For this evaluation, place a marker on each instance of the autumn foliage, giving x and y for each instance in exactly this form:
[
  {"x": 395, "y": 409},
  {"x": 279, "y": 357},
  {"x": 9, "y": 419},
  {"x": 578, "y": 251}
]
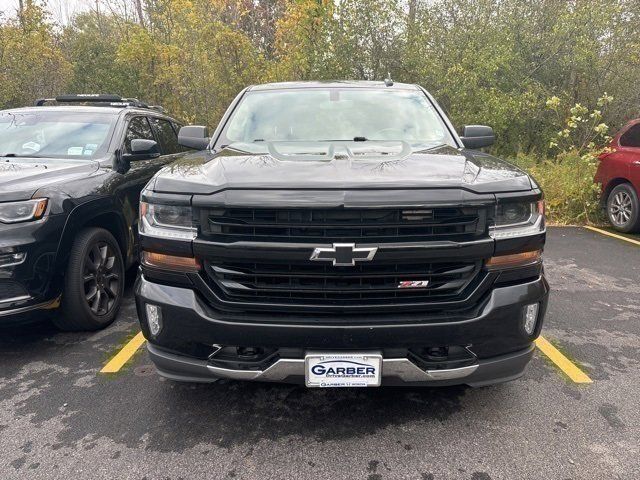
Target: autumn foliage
[{"x": 528, "y": 68}]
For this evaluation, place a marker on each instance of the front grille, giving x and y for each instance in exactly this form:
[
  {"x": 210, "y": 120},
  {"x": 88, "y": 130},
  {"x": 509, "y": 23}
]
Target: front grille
[
  {"x": 10, "y": 289},
  {"x": 309, "y": 284},
  {"x": 343, "y": 224}
]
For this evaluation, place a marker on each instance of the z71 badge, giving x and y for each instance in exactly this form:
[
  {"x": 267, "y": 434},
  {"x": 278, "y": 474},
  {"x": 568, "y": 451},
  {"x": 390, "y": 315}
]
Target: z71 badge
[{"x": 413, "y": 284}]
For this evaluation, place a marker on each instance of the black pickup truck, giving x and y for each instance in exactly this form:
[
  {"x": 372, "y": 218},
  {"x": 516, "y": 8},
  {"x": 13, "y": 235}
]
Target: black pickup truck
[
  {"x": 341, "y": 234},
  {"x": 71, "y": 172}
]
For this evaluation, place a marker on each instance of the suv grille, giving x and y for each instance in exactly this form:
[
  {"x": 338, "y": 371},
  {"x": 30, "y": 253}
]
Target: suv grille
[
  {"x": 306, "y": 284},
  {"x": 343, "y": 224}
]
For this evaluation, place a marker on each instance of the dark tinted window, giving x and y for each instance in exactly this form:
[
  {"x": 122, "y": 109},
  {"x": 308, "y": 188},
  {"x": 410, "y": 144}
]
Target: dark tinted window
[
  {"x": 631, "y": 138},
  {"x": 138, "y": 128},
  {"x": 167, "y": 136}
]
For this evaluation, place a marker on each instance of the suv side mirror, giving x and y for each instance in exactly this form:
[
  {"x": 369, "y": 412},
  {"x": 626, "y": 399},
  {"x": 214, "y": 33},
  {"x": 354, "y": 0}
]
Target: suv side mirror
[
  {"x": 142, "y": 149},
  {"x": 477, "y": 136},
  {"x": 194, "y": 136}
]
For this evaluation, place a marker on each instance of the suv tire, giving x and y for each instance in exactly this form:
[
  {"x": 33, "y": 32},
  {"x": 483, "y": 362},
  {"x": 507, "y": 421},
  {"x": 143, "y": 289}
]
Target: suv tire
[
  {"x": 623, "y": 209},
  {"x": 93, "y": 282}
]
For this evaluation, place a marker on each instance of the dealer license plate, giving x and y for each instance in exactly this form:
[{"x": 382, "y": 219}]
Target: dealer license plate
[{"x": 343, "y": 369}]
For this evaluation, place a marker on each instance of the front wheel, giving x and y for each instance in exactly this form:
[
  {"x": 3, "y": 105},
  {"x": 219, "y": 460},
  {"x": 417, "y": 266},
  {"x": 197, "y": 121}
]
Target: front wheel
[
  {"x": 93, "y": 283},
  {"x": 623, "y": 209}
]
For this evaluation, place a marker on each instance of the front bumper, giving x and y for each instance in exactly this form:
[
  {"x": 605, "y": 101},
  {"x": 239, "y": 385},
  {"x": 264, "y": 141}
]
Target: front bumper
[
  {"x": 395, "y": 371},
  {"x": 191, "y": 328},
  {"x": 30, "y": 284}
]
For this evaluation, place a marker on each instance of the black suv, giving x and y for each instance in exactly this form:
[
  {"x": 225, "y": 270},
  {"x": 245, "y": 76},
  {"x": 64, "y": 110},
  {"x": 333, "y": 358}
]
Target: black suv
[
  {"x": 71, "y": 172},
  {"x": 341, "y": 234}
]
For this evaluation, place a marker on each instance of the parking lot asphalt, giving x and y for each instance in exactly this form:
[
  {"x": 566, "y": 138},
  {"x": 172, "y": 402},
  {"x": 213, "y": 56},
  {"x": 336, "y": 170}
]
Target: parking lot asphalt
[{"x": 61, "y": 418}]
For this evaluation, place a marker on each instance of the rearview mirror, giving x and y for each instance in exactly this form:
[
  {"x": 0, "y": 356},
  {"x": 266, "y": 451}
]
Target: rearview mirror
[
  {"x": 477, "y": 136},
  {"x": 194, "y": 136},
  {"x": 142, "y": 149}
]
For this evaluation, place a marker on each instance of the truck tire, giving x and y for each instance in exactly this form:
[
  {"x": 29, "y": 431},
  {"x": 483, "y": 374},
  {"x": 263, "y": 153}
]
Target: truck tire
[
  {"x": 93, "y": 282},
  {"x": 623, "y": 209}
]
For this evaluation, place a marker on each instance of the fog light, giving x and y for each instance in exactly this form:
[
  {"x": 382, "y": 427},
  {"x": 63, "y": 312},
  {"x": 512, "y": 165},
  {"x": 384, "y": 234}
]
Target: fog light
[
  {"x": 12, "y": 259},
  {"x": 154, "y": 319},
  {"x": 530, "y": 318}
]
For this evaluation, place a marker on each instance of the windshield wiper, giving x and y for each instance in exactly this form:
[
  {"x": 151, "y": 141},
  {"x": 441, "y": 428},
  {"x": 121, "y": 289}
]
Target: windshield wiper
[
  {"x": 8, "y": 155},
  {"x": 354, "y": 139}
]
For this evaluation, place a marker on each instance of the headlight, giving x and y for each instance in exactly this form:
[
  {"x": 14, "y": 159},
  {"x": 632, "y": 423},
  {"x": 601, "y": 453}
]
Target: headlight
[
  {"x": 14, "y": 212},
  {"x": 517, "y": 219},
  {"x": 166, "y": 221}
]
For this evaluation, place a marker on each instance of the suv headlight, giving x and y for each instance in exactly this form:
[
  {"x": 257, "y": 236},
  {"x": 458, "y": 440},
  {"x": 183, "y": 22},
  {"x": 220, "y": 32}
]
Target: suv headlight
[
  {"x": 518, "y": 219},
  {"x": 166, "y": 221},
  {"x": 25, "y": 211}
]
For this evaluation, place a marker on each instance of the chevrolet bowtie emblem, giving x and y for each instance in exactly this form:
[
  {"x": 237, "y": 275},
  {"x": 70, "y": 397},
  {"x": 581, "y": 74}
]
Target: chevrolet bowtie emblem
[{"x": 344, "y": 254}]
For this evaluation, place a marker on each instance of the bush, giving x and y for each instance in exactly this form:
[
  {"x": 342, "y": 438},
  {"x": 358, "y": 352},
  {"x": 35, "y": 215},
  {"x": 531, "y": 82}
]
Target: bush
[
  {"x": 567, "y": 181},
  {"x": 571, "y": 195}
]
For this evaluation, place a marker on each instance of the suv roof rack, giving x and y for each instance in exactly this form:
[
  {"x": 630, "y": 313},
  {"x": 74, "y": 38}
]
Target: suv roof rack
[{"x": 99, "y": 99}]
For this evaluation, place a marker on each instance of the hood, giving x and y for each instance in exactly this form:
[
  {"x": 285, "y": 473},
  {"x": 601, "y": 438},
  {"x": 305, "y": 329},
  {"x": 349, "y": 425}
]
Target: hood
[
  {"x": 236, "y": 167},
  {"x": 21, "y": 177}
]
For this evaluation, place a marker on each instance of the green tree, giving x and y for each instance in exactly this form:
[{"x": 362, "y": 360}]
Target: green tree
[
  {"x": 90, "y": 44},
  {"x": 303, "y": 47},
  {"x": 31, "y": 62},
  {"x": 190, "y": 61}
]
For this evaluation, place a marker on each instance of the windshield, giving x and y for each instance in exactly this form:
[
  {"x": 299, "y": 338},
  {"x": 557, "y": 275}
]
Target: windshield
[
  {"x": 55, "y": 134},
  {"x": 334, "y": 114}
]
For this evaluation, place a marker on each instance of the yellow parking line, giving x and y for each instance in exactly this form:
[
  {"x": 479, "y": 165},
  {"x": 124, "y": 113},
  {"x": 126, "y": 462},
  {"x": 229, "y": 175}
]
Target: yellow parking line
[
  {"x": 563, "y": 363},
  {"x": 123, "y": 356},
  {"x": 609, "y": 234}
]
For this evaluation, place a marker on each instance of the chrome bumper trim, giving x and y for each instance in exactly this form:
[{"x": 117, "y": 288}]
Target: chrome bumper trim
[
  {"x": 279, "y": 371},
  {"x": 14, "y": 299},
  {"x": 408, "y": 371},
  {"x": 40, "y": 306},
  {"x": 402, "y": 368}
]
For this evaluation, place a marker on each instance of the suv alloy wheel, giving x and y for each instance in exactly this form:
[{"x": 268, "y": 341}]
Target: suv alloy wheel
[{"x": 94, "y": 282}]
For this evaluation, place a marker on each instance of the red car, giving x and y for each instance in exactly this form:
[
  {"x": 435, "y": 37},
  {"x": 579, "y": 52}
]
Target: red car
[{"x": 619, "y": 175}]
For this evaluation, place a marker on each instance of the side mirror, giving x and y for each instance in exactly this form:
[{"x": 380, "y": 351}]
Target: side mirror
[
  {"x": 477, "y": 136},
  {"x": 194, "y": 136},
  {"x": 142, "y": 149}
]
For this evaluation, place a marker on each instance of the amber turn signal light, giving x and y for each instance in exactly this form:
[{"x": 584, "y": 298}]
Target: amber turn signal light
[
  {"x": 514, "y": 260},
  {"x": 170, "y": 262},
  {"x": 40, "y": 208}
]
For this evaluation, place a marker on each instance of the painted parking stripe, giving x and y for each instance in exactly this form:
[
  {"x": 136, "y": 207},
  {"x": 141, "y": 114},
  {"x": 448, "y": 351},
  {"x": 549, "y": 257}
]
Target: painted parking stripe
[
  {"x": 610, "y": 234},
  {"x": 123, "y": 356},
  {"x": 562, "y": 362}
]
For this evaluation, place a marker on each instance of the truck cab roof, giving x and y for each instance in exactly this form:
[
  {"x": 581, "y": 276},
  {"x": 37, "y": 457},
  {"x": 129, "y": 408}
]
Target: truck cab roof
[{"x": 334, "y": 84}]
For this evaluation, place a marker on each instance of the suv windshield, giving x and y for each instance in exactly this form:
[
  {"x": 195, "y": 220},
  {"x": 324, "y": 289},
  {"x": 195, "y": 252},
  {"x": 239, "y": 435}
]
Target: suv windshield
[
  {"x": 55, "y": 134},
  {"x": 333, "y": 114}
]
